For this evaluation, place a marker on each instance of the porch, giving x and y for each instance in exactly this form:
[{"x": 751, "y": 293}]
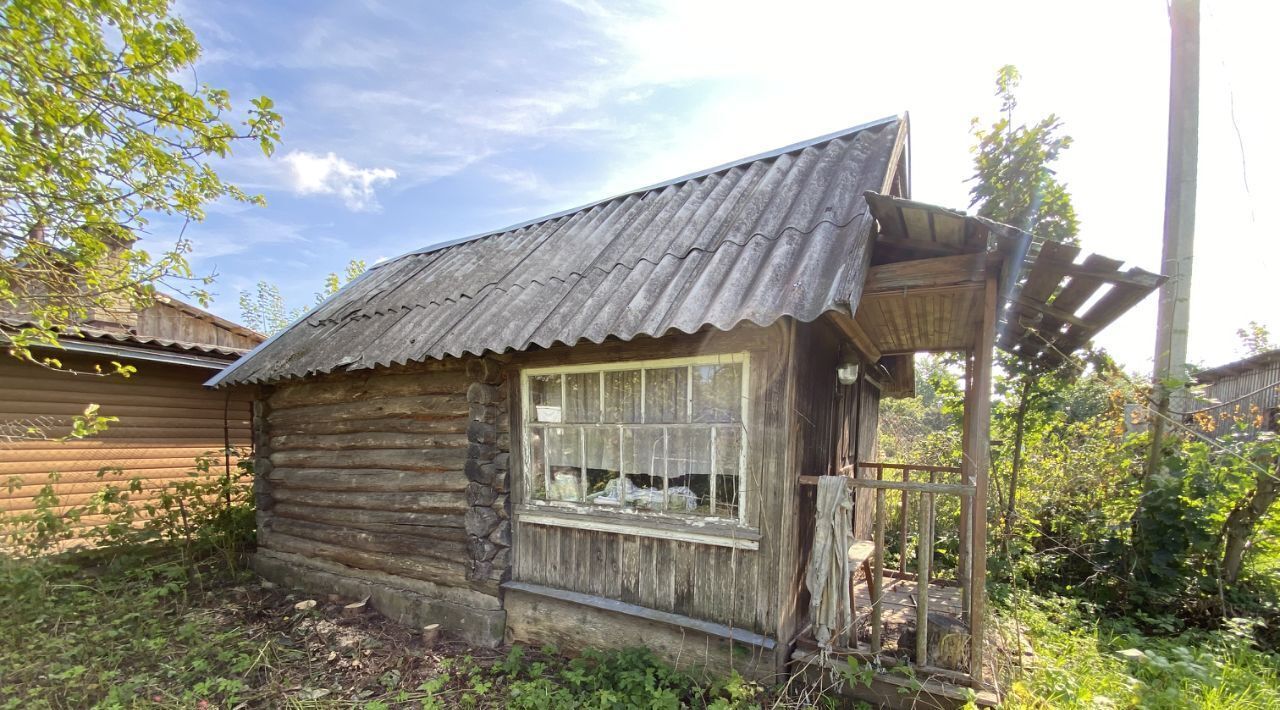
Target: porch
[
  {"x": 914, "y": 576},
  {"x": 912, "y": 608}
]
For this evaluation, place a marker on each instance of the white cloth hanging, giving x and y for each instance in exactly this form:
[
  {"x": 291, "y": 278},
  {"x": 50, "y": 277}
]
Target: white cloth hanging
[{"x": 828, "y": 575}]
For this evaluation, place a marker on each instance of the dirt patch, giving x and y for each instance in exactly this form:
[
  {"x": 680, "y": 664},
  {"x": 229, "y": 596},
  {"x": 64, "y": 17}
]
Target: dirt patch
[{"x": 317, "y": 653}]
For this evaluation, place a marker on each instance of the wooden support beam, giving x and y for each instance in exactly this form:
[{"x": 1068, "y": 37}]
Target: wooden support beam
[
  {"x": 856, "y": 335},
  {"x": 876, "y": 588},
  {"x": 924, "y": 562},
  {"x": 955, "y": 489},
  {"x": 1133, "y": 277},
  {"x": 964, "y": 574},
  {"x": 921, "y": 245},
  {"x": 927, "y": 468},
  {"x": 1048, "y": 310},
  {"x": 978, "y": 461},
  {"x": 927, "y": 273}
]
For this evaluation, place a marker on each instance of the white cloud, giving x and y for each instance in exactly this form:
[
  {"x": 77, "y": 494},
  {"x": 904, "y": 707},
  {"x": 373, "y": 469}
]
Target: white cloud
[{"x": 312, "y": 174}]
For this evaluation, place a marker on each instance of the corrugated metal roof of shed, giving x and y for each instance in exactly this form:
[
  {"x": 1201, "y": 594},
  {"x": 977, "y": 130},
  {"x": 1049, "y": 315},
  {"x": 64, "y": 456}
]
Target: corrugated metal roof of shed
[{"x": 786, "y": 233}]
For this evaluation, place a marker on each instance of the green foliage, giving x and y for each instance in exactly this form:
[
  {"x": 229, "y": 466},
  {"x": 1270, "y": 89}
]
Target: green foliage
[
  {"x": 1185, "y": 511},
  {"x": 1255, "y": 338},
  {"x": 104, "y": 127},
  {"x": 208, "y": 512},
  {"x": 116, "y": 635},
  {"x": 1014, "y": 183},
  {"x": 265, "y": 311},
  {"x": 631, "y": 678},
  {"x": 111, "y": 624},
  {"x": 1084, "y": 661}
]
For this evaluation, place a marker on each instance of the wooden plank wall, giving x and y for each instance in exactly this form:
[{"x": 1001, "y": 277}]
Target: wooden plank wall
[
  {"x": 697, "y": 580},
  {"x": 824, "y": 421},
  {"x": 867, "y": 440},
  {"x": 1251, "y": 396},
  {"x": 167, "y": 419},
  {"x": 735, "y": 587},
  {"x": 171, "y": 322}
]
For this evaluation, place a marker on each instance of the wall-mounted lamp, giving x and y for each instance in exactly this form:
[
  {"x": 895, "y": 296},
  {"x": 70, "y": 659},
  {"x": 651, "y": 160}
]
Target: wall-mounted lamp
[{"x": 847, "y": 373}]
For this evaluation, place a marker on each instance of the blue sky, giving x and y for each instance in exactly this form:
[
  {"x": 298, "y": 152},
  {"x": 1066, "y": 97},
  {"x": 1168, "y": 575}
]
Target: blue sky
[{"x": 411, "y": 123}]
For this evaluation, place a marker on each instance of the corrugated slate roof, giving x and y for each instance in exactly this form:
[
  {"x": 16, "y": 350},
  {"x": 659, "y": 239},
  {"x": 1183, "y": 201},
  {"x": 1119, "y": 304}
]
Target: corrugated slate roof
[{"x": 785, "y": 233}]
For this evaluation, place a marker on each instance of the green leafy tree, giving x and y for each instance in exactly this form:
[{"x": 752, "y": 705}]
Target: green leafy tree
[
  {"x": 104, "y": 127},
  {"x": 1014, "y": 183},
  {"x": 1255, "y": 339},
  {"x": 264, "y": 309}
]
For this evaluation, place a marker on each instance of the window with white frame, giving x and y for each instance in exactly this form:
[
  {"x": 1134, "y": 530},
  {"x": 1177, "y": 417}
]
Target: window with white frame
[{"x": 665, "y": 436}]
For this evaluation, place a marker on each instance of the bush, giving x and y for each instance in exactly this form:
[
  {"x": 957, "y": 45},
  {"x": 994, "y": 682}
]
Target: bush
[{"x": 1084, "y": 660}]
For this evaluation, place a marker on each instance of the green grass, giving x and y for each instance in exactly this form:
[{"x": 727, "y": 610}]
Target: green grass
[
  {"x": 147, "y": 632},
  {"x": 73, "y": 638},
  {"x": 1085, "y": 662}
]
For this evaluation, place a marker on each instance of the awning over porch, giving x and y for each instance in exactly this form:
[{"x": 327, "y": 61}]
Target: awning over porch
[{"x": 924, "y": 291}]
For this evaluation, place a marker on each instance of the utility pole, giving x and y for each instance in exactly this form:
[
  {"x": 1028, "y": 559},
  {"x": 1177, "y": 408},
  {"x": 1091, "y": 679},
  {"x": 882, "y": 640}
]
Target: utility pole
[{"x": 1179, "y": 220}]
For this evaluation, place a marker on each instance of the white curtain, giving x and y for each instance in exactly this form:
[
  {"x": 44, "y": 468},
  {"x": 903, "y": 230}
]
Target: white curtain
[{"x": 828, "y": 575}]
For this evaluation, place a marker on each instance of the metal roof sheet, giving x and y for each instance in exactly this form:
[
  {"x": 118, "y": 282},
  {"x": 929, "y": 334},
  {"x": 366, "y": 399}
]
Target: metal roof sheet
[
  {"x": 1257, "y": 361},
  {"x": 786, "y": 233},
  {"x": 135, "y": 342}
]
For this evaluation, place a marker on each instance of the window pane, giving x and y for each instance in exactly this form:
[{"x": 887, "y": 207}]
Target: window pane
[
  {"x": 535, "y": 477},
  {"x": 642, "y": 454},
  {"x": 728, "y": 463},
  {"x": 622, "y": 397},
  {"x": 666, "y": 395},
  {"x": 717, "y": 393},
  {"x": 689, "y": 452},
  {"x": 582, "y": 397},
  {"x": 602, "y": 448},
  {"x": 544, "y": 398},
  {"x": 564, "y": 452},
  {"x": 640, "y": 438},
  {"x": 602, "y": 466}
]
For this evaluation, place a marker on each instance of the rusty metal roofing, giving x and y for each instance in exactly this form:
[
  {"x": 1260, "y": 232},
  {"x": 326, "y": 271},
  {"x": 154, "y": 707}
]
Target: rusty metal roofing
[{"x": 786, "y": 233}]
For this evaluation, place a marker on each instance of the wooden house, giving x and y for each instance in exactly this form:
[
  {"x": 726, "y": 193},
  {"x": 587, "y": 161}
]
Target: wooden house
[
  {"x": 607, "y": 427},
  {"x": 166, "y": 416},
  {"x": 1241, "y": 398}
]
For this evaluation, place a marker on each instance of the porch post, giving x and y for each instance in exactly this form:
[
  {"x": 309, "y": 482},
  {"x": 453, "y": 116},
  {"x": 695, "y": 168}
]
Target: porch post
[
  {"x": 977, "y": 462},
  {"x": 966, "y": 502}
]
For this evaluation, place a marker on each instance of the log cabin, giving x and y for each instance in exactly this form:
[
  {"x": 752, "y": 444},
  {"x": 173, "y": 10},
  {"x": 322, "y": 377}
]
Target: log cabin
[
  {"x": 166, "y": 417},
  {"x": 619, "y": 425}
]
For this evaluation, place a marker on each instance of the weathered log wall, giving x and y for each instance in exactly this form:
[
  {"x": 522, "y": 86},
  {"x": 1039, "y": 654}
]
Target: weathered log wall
[
  {"x": 409, "y": 480},
  {"x": 166, "y": 420},
  {"x": 387, "y": 483}
]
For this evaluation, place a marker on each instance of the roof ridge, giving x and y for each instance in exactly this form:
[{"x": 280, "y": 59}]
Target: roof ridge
[{"x": 767, "y": 155}]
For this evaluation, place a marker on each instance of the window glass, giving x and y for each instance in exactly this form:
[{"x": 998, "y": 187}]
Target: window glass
[
  {"x": 666, "y": 395},
  {"x": 582, "y": 397},
  {"x": 664, "y": 437},
  {"x": 622, "y": 396},
  {"x": 544, "y": 398},
  {"x": 717, "y": 393}
]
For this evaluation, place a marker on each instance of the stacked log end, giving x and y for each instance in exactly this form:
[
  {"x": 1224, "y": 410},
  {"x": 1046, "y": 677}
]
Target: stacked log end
[
  {"x": 384, "y": 484},
  {"x": 488, "y": 522}
]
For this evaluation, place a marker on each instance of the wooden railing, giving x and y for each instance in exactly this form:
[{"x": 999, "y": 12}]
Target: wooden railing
[{"x": 928, "y": 489}]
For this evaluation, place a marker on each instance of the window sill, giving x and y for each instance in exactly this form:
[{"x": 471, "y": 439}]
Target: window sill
[{"x": 723, "y": 534}]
